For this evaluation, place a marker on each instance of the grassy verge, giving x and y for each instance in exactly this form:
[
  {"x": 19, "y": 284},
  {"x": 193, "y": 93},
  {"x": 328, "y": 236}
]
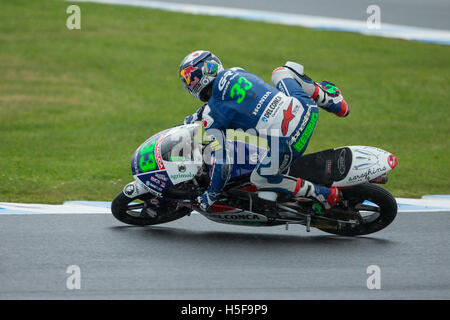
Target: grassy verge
[{"x": 75, "y": 104}]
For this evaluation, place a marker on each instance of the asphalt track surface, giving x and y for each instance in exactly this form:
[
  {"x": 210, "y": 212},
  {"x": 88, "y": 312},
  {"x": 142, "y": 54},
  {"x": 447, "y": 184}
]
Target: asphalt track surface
[
  {"x": 418, "y": 13},
  {"x": 194, "y": 258}
]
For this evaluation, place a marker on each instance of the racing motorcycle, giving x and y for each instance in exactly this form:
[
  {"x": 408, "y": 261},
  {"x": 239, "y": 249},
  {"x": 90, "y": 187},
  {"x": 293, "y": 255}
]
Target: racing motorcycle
[{"x": 170, "y": 171}]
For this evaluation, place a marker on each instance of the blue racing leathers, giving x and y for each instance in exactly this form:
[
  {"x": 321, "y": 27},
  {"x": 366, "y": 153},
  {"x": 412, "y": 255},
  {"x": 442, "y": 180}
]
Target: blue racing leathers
[{"x": 285, "y": 115}]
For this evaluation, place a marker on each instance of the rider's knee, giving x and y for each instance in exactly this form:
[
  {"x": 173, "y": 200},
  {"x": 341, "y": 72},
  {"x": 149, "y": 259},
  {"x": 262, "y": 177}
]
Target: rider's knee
[{"x": 281, "y": 73}]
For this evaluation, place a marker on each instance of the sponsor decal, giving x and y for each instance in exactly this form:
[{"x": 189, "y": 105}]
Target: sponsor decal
[
  {"x": 205, "y": 81},
  {"x": 228, "y": 84},
  {"x": 237, "y": 216},
  {"x": 181, "y": 168},
  {"x": 303, "y": 140},
  {"x": 215, "y": 145},
  {"x": 188, "y": 175},
  {"x": 194, "y": 85},
  {"x": 328, "y": 167},
  {"x": 130, "y": 189},
  {"x": 160, "y": 176},
  {"x": 296, "y": 108},
  {"x": 366, "y": 175},
  {"x": 210, "y": 68},
  {"x": 341, "y": 161},
  {"x": 151, "y": 181},
  {"x": 287, "y": 117},
  {"x": 392, "y": 161},
  {"x": 152, "y": 191},
  {"x": 264, "y": 119},
  {"x": 272, "y": 106},
  {"x": 160, "y": 182},
  {"x": 285, "y": 162},
  {"x": 157, "y": 188},
  {"x": 158, "y": 156},
  {"x": 186, "y": 74},
  {"x": 155, "y": 180},
  {"x": 302, "y": 126},
  {"x": 261, "y": 102},
  {"x": 153, "y": 186},
  {"x": 224, "y": 79}
]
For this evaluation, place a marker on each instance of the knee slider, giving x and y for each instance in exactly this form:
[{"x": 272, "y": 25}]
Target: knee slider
[
  {"x": 297, "y": 67},
  {"x": 281, "y": 73}
]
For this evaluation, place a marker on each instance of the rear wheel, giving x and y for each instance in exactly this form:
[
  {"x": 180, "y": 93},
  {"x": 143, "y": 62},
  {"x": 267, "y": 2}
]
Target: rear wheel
[
  {"x": 373, "y": 216},
  {"x": 131, "y": 211}
]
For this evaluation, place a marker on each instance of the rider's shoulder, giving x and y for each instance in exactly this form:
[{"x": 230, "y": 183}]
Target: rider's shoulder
[
  {"x": 228, "y": 72},
  {"x": 224, "y": 77}
]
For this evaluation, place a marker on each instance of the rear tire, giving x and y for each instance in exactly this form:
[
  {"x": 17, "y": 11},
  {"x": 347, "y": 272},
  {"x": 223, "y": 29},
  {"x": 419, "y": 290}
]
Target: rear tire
[
  {"x": 119, "y": 208},
  {"x": 377, "y": 195}
]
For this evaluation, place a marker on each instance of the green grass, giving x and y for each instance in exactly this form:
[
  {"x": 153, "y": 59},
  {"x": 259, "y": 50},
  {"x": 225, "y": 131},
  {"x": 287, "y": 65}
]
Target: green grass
[{"x": 75, "y": 104}]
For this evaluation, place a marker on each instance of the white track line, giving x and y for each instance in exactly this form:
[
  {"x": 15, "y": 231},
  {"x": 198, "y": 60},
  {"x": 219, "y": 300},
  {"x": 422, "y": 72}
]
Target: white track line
[
  {"x": 405, "y": 205},
  {"x": 387, "y": 30},
  {"x": 68, "y": 207}
]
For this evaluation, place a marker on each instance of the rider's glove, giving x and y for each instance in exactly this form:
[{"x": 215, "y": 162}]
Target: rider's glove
[
  {"x": 333, "y": 101},
  {"x": 206, "y": 200},
  {"x": 197, "y": 116},
  {"x": 190, "y": 119}
]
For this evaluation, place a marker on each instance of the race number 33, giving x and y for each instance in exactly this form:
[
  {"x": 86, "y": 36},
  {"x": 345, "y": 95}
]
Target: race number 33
[
  {"x": 240, "y": 88},
  {"x": 147, "y": 161}
]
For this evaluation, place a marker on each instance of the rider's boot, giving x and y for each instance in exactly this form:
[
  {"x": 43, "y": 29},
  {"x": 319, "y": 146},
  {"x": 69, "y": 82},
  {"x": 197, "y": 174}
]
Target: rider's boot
[
  {"x": 295, "y": 187},
  {"x": 327, "y": 197},
  {"x": 326, "y": 94},
  {"x": 268, "y": 189}
]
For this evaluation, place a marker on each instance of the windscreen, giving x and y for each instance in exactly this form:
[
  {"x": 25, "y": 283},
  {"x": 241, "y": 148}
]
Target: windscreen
[{"x": 180, "y": 145}]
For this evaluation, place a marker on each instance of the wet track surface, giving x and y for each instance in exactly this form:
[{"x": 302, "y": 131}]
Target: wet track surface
[{"x": 194, "y": 258}]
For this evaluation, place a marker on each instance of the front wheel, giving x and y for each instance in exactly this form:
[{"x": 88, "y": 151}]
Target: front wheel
[
  {"x": 373, "y": 216},
  {"x": 127, "y": 211}
]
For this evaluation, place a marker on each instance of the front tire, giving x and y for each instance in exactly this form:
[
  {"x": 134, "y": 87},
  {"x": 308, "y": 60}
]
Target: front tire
[{"x": 121, "y": 211}]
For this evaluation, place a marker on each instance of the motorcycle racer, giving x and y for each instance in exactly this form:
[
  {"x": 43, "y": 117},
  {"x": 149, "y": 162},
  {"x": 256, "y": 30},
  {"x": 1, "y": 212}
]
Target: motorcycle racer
[{"x": 285, "y": 113}]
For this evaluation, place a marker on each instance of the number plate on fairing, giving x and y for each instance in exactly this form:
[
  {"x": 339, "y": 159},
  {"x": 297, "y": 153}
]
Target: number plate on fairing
[{"x": 148, "y": 167}]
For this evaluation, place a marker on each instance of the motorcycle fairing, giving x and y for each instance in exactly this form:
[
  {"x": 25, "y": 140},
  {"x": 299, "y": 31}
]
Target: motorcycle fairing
[
  {"x": 345, "y": 166},
  {"x": 174, "y": 165},
  {"x": 157, "y": 168},
  {"x": 367, "y": 164}
]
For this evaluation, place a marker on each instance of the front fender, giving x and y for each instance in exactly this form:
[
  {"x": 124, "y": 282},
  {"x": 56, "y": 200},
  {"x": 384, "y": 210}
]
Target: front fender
[{"x": 134, "y": 189}]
